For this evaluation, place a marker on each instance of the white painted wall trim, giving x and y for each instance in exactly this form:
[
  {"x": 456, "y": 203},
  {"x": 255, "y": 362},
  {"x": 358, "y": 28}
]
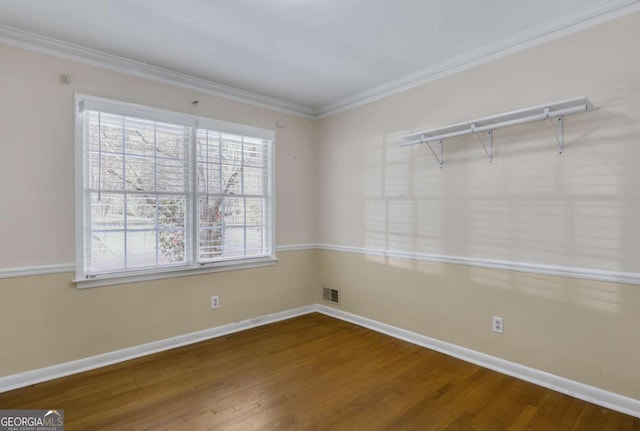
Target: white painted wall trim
[
  {"x": 569, "y": 387},
  {"x": 73, "y": 367},
  {"x": 296, "y": 247},
  {"x": 562, "y": 26},
  {"x": 26, "y": 271},
  {"x": 115, "y": 279},
  {"x": 533, "y": 268},
  {"x": 34, "y": 42},
  {"x": 560, "y": 384}
]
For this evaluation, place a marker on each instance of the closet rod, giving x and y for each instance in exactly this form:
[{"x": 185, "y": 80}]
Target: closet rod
[{"x": 472, "y": 128}]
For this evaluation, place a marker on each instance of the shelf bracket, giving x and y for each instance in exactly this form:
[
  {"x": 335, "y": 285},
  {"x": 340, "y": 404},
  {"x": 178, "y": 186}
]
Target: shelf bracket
[
  {"x": 488, "y": 149},
  {"x": 440, "y": 159},
  {"x": 557, "y": 126}
]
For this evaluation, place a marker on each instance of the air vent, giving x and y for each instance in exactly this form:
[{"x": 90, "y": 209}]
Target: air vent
[{"x": 330, "y": 295}]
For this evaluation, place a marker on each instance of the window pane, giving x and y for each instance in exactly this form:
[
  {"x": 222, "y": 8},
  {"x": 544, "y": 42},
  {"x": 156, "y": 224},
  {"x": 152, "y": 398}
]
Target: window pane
[
  {"x": 172, "y": 212},
  {"x": 106, "y": 211},
  {"x": 210, "y": 243},
  {"x": 255, "y": 212},
  {"x": 208, "y": 178},
  {"x": 233, "y": 242},
  {"x": 233, "y": 211},
  {"x": 141, "y": 212},
  {"x": 142, "y": 160},
  {"x": 209, "y": 149},
  {"x": 171, "y": 140},
  {"x": 106, "y": 171},
  {"x": 253, "y": 152},
  {"x": 171, "y": 176},
  {"x": 231, "y": 149},
  {"x": 255, "y": 241},
  {"x": 254, "y": 181},
  {"x": 141, "y": 249},
  {"x": 139, "y": 137},
  {"x": 105, "y": 132},
  {"x": 231, "y": 179},
  {"x": 210, "y": 211},
  {"x": 172, "y": 246},
  {"x": 139, "y": 173},
  {"x": 106, "y": 251}
]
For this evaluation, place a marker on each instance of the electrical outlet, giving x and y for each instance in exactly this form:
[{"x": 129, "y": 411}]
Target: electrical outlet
[
  {"x": 498, "y": 325},
  {"x": 215, "y": 302}
]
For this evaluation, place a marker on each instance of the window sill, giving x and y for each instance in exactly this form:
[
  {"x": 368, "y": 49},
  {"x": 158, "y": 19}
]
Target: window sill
[{"x": 136, "y": 277}]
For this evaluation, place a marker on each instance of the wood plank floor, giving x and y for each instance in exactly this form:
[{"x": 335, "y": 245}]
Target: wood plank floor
[{"x": 310, "y": 373}]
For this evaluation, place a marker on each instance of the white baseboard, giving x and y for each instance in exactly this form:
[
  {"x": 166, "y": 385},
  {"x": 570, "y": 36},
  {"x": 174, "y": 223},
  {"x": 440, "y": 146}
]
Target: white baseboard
[
  {"x": 28, "y": 378},
  {"x": 575, "y": 389}
]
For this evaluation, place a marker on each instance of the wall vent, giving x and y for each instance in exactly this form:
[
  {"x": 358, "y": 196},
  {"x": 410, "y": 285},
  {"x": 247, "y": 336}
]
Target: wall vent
[{"x": 330, "y": 295}]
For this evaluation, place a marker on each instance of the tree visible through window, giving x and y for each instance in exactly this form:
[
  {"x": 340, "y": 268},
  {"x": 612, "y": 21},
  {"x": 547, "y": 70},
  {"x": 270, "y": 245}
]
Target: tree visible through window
[{"x": 159, "y": 194}]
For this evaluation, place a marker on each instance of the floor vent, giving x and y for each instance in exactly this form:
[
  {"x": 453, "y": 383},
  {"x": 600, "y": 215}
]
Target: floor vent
[{"x": 330, "y": 295}]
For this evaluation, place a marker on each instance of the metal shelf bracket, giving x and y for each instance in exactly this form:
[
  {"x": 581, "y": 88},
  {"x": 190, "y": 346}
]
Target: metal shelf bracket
[
  {"x": 558, "y": 129},
  {"x": 488, "y": 149},
  {"x": 440, "y": 159}
]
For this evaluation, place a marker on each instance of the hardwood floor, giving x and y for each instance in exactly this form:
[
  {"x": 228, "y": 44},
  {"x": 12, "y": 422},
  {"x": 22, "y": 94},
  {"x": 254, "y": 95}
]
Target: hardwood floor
[{"x": 310, "y": 373}]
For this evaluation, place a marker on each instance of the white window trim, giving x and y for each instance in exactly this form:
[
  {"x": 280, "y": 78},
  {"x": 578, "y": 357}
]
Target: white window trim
[
  {"x": 82, "y": 102},
  {"x": 172, "y": 272}
]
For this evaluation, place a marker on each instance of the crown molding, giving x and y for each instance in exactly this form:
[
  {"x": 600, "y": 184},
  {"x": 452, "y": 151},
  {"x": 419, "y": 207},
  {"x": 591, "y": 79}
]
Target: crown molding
[
  {"x": 34, "y": 42},
  {"x": 560, "y": 27}
]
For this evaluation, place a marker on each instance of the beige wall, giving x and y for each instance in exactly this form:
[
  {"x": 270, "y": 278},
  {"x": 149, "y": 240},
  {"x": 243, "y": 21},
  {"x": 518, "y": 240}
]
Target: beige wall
[
  {"x": 44, "y": 320},
  {"x": 580, "y": 209},
  {"x": 582, "y": 330}
]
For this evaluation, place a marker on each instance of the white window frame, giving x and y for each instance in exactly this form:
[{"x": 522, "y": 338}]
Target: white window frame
[{"x": 192, "y": 266}]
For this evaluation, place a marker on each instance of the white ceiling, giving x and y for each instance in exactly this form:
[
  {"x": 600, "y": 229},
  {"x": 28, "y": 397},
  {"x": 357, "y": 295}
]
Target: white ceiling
[{"x": 316, "y": 55}]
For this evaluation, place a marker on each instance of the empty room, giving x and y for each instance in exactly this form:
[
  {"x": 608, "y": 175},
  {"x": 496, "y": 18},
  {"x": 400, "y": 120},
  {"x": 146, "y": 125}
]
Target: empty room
[{"x": 319, "y": 215}]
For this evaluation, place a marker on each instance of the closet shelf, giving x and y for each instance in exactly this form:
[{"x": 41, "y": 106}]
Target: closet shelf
[{"x": 553, "y": 113}]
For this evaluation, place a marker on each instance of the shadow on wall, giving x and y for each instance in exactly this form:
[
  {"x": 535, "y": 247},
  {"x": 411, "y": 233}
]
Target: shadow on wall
[{"x": 529, "y": 205}]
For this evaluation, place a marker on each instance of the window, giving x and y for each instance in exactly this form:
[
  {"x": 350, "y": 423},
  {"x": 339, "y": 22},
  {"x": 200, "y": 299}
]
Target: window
[{"x": 164, "y": 192}]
